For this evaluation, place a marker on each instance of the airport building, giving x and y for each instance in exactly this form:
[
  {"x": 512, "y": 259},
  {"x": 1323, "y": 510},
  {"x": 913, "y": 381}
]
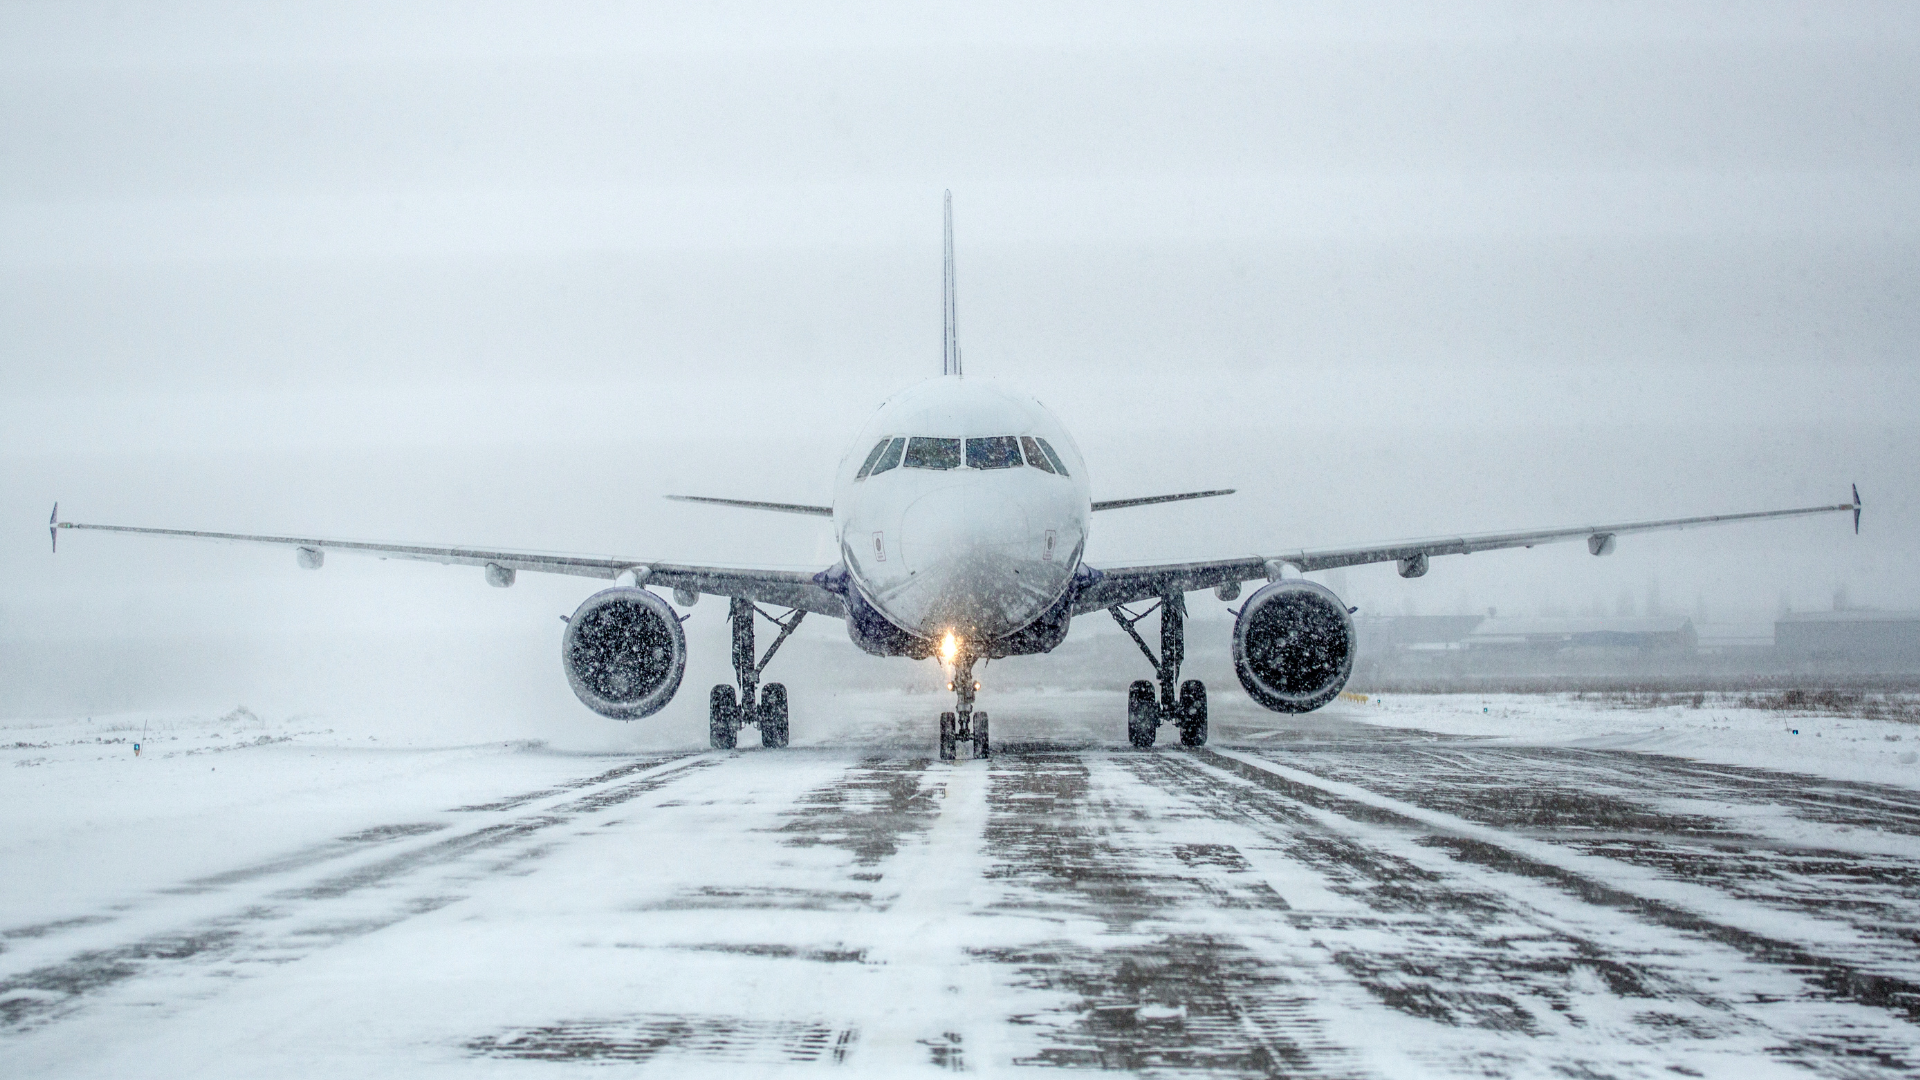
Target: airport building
[
  {"x": 1663, "y": 634},
  {"x": 1438, "y": 651},
  {"x": 1387, "y": 634},
  {"x": 1872, "y": 637}
]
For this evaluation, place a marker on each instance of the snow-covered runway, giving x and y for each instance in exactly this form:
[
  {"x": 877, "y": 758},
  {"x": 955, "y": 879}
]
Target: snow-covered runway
[{"x": 1335, "y": 899}]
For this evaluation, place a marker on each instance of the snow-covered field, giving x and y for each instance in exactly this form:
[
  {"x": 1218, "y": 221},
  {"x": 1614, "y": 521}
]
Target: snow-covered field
[
  {"x": 1718, "y": 729},
  {"x": 1432, "y": 886}
]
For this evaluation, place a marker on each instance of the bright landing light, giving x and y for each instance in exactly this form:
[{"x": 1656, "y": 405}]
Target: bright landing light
[{"x": 949, "y": 647}]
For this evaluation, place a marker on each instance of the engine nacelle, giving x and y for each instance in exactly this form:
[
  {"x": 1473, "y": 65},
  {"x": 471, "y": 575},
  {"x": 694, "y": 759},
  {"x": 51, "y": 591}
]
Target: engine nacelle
[
  {"x": 1293, "y": 646},
  {"x": 624, "y": 653}
]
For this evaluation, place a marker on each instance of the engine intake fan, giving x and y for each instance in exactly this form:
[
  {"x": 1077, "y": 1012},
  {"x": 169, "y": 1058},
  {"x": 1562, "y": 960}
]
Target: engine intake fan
[
  {"x": 1293, "y": 646},
  {"x": 624, "y": 653}
]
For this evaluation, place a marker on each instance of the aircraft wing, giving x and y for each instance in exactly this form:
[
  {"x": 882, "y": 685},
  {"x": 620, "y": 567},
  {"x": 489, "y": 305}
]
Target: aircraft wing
[
  {"x": 751, "y": 504},
  {"x": 1128, "y": 584},
  {"x": 1150, "y": 500},
  {"x": 785, "y": 588}
]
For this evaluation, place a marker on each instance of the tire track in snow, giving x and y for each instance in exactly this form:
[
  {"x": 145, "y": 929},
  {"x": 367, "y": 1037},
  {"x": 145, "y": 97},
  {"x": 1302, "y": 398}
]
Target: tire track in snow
[
  {"x": 1781, "y": 937},
  {"x": 511, "y": 802},
  {"x": 1838, "y": 1012},
  {"x": 1166, "y": 913},
  {"x": 1428, "y": 971},
  {"x": 857, "y": 907},
  {"x": 353, "y": 844},
  {"x": 263, "y": 929},
  {"x": 1706, "y": 829},
  {"x": 1135, "y": 971}
]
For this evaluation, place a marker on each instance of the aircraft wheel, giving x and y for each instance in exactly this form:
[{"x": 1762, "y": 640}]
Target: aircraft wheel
[
  {"x": 980, "y": 736},
  {"x": 1193, "y": 713},
  {"x": 723, "y": 718},
  {"x": 1143, "y": 714},
  {"x": 773, "y": 715},
  {"x": 949, "y": 736}
]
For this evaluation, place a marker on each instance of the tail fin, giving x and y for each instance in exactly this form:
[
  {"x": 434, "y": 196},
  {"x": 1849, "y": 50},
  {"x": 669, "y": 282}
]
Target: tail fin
[{"x": 950, "y": 358}]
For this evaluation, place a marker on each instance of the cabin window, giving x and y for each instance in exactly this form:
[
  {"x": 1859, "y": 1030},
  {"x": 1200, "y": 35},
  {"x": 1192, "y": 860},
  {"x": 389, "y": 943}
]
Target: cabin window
[
  {"x": 873, "y": 456},
  {"x": 1052, "y": 458},
  {"x": 997, "y": 452},
  {"x": 889, "y": 456},
  {"x": 926, "y": 453},
  {"x": 1034, "y": 457}
]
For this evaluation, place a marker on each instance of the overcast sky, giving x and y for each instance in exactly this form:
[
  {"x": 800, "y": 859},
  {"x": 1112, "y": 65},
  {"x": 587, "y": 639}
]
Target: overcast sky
[{"x": 504, "y": 274}]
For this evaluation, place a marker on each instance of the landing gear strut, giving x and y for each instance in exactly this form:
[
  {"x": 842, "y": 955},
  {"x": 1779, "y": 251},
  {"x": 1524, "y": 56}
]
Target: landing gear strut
[
  {"x": 1148, "y": 709},
  {"x": 963, "y": 722},
  {"x": 729, "y": 710}
]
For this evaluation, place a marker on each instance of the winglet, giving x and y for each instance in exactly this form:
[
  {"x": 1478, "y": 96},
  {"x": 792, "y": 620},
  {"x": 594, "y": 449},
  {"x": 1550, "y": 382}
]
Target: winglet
[
  {"x": 53, "y": 528},
  {"x": 1856, "y": 509}
]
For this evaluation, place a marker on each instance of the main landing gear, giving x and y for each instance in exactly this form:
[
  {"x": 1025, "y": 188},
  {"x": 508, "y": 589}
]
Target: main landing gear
[
  {"x": 728, "y": 710},
  {"x": 1146, "y": 710},
  {"x": 963, "y": 722}
]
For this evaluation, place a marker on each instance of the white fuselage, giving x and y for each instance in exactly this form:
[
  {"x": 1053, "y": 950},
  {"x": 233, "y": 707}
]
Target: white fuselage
[{"x": 959, "y": 533}]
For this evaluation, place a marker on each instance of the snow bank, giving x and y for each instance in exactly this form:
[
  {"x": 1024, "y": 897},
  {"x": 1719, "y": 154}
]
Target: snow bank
[{"x": 1720, "y": 729}]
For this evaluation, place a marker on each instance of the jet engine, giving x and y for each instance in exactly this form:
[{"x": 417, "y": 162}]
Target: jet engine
[
  {"x": 1293, "y": 646},
  {"x": 624, "y": 653}
]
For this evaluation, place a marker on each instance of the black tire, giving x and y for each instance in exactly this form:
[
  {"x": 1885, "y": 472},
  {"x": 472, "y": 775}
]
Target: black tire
[
  {"x": 980, "y": 749},
  {"x": 949, "y": 736},
  {"x": 1143, "y": 714},
  {"x": 1193, "y": 713},
  {"x": 723, "y": 718},
  {"x": 773, "y": 715}
]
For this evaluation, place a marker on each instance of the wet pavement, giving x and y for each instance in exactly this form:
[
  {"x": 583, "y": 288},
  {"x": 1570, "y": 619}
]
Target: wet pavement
[{"x": 1336, "y": 902}]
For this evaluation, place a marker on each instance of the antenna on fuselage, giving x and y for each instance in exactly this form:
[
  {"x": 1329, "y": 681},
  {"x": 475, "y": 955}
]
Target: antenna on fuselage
[{"x": 950, "y": 358}]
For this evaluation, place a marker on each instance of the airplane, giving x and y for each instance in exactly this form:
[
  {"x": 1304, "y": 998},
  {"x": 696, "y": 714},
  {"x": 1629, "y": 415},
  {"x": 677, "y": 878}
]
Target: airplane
[{"x": 961, "y": 514}]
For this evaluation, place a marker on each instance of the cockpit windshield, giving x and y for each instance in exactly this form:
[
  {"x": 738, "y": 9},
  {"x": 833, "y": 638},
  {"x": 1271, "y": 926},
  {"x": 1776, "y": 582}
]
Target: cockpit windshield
[
  {"x": 890, "y": 451},
  {"x": 926, "y": 453},
  {"x": 986, "y": 452},
  {"x": 997, "y": 452},
  {"x": 867, "y": 466},
  {"x": 1034, "y": 457},
  {"x": 1052, "y": 458}
]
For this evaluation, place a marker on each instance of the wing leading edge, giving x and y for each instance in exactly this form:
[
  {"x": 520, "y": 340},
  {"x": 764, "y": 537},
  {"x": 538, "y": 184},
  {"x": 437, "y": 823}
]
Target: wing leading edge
[
  {"x": 1127, "y": 584},
  {"x": 751, "y": 504},
  {"x": 1149, "y": 500},
  {"x": 785, "y": 588}
]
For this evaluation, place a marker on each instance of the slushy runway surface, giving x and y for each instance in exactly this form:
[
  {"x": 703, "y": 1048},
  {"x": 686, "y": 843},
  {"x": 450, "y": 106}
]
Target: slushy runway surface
[{"x": 1331, "y": 900}]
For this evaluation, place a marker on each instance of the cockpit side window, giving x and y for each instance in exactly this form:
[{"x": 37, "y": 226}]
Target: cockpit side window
[
  {"x": 1035, "y": 457},
  {"x": 889, "y": 456},
  {"x": 873, "y": 456},
  {"x": 928, "y": 453},
  {"x": 995, "y": 452},
  {"x": 1052, "y": 458}
]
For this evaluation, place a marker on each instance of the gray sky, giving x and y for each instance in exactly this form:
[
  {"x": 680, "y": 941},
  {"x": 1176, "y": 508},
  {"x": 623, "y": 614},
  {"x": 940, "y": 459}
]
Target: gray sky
[{"x": 498, "y": 274}]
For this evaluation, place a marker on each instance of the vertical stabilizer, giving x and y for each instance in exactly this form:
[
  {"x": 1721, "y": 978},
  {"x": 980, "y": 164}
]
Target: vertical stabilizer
[{"x": 950, "y": 358}]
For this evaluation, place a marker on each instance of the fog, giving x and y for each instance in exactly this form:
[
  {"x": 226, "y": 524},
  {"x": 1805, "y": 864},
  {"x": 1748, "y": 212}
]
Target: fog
[{"x": 505, "y": 276}]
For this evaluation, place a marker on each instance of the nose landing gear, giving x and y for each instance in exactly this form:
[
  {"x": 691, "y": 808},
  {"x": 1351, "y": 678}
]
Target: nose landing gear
[
  {"x": 1146, "y": 710},
  {"x": 729, "y": 710},
  {"x": 963, "y": 722}
]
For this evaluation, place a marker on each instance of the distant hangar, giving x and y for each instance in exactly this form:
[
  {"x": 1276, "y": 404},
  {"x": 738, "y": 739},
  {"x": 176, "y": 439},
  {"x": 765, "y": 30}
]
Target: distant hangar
[
  {"x": 1651, "y": 634},
  {"x": 1849, "y": 635},
  {"x": 1888, "y": 640}
]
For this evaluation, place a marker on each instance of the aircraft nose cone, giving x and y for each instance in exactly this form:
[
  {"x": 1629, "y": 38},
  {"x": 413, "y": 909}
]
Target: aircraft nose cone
[
  {"x": 967, "y": 552},
  {"x": 958, "y": 523}
]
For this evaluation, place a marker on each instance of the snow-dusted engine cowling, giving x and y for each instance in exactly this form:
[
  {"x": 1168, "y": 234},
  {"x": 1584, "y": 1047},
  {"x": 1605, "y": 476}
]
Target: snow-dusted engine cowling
[
  {"x": 1293, "y": 646},
  {"x": 624, "y": 653}
]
